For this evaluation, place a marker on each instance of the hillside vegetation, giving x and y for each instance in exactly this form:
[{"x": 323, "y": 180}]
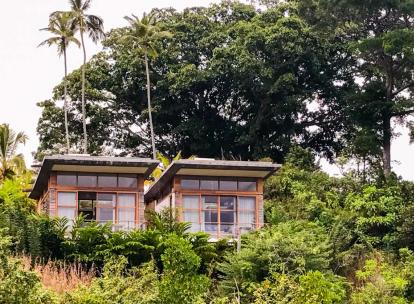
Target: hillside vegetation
[{"x": 327, "y": 240}]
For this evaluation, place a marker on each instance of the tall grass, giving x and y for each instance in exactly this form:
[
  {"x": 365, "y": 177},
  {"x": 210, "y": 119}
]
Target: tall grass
[{"x": 59, "y": 276}]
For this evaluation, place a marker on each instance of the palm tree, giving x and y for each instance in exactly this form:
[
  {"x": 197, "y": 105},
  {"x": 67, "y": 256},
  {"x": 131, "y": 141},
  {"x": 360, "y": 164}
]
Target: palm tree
[
  {"x": 10, "y": 162},
  {"x": 63, "y": 30},
  {"x": 143, "y": 33},
  {"x": 92, "y": 25}
]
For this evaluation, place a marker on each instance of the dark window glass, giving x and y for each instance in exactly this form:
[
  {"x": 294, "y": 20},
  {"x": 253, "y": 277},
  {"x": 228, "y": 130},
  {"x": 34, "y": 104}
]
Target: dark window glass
[
  {"x": 227, "y": 229},
  {"x": 87, "y": 180},
  {"x": 190, "y": 184},
  {"x": 227, "y": 202},
  {"x": 228, "y": 185},
  {"x": 66, "y": 179},
  {"x": 209, "y": 202},
  {"x": 107, "y": 181},
  {"x": 210, "y": 228},
  {"x": 210, "y": 216},
  {"x": 209, "y": 184},
  {"x": 86, "y": 195},
  {"x": 227, "y": 217},
  {"x": 85, "y": 205},
  {"x": 127, "y": 181},
  {"x": 247, "y": 186}
]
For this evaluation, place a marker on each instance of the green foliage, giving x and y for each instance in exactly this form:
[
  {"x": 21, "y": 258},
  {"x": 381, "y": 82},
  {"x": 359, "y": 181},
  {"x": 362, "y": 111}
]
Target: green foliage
[
  {"x": 312, "y": 287},
  {"x": 119, "y": 285},
  {"x": 11, "y": 163},
  {"x": 85, "y": 241},
  {"x": 376, "y": 214},
  {"x": 18, "y": 286},
  {"x": 180, "y": 281},
  {"x": 230, "y": 80},
  {"x": 379, "y": 282},
  {"x": 292, "y": 247}
]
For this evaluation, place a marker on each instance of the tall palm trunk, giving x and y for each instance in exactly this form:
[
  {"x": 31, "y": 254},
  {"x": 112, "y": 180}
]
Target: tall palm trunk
[
  {"x": 154, "y": 154},
  {"x": 65, "y": 104},
  {"x": 85, "y": 135}
]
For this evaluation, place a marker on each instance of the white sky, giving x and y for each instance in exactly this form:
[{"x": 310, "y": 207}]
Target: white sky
[{"x": 28, "y": 74}]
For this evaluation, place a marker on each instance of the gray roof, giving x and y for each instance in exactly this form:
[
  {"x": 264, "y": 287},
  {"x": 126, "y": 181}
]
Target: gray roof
[
  {"x": 155, "y": 190},
  {"x": 89, "y": 161}
]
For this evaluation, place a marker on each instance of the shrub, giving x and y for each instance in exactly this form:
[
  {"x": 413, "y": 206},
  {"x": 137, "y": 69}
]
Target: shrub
[
  {"x": 118, "y": 285},
  {"x": 18, "y": 286},
  {"x": 291, "y": 247},
  {"x": 312, "y": 287},
  {"x": 180, "y": 282}
]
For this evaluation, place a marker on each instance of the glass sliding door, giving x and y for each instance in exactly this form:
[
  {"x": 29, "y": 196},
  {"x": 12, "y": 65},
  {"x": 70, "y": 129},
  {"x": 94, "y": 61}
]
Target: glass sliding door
[
  {"x": 246, "y": 213},
  {"x": 126, "y": 211},
  {"x": 191, "y": 212},
  {"x": 105, "y": 208},
  {"x": 209, "y": 219},
  {"x": 227, "y": 215}
]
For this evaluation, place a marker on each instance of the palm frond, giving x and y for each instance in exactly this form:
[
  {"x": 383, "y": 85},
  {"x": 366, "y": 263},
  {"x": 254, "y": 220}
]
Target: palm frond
[{"x": 94, "y": 27}]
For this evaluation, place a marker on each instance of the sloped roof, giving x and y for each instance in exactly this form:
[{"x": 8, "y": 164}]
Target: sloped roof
[
  {"x": 93, "y": 164},
  {"x": 208, "y": 167}
]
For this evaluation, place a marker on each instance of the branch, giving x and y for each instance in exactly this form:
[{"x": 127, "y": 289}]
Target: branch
[
  {"x": 411, "y": 83},
  {"x": 403, "y": 113}
]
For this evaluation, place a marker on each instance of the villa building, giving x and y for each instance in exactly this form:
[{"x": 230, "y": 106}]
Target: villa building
[
  {"x": 222, "y": 198},
  {"x": 105, "y": 189}
]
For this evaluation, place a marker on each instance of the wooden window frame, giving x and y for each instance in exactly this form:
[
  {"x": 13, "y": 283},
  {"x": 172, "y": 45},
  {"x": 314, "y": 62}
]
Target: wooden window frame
[
  {"x": 236, "y": 210},
  {"x": 137, "y": 209}
]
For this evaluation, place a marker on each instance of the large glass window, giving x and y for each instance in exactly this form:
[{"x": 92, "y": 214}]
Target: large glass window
[
  {"x": 105, "y": 207},
  {"x": 227, "y": 214},
  {"x": 69, "y": 213},
  {"x": 220, "y": 215},
  {"x": 225, "y": 184},
  {"x": 66, "y": 179},
  {"x": 246, "y": 213},
  {"x": 127, "y": 181},
  {"x": 210, "y": 213},
  {"x": 126, "y": 210},
  {"x": 67, "y": 199},
  {"x": 66, "y": 205},
  {"x": 107, "y": 180},
  {"x": 87, "y": 180},
  {"x": 193, "y": 217},
  {"x": 191, "y": 184},
  {"x": 126, "y": 200},
  {"x": 190, "y": 201}
]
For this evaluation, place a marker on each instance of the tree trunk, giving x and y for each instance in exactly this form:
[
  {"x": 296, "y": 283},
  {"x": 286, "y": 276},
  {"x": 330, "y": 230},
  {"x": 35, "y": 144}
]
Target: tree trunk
[
  {"x": 386, "y": 145},
  {"x": 386, "y": 127},
  {"x": 65, "y": 104},
  {"x": 85, "y": 135},
  {"x": 154, "y": 154}
]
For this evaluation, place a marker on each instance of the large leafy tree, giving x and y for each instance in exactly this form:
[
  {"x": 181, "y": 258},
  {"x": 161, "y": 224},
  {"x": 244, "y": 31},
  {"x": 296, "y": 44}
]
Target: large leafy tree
[
  {"x": 379, "y": 35},
  {"x": 87, "y": 24},
  {"x": 62, "y": 28},
  {"x": 142, "y": 34},
  {"x": 231, "y": 82},
  {"x": 11, "y": 163}
]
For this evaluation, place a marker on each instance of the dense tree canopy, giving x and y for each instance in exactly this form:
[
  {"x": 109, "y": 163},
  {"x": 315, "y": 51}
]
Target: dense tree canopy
[{"x": 231, "y": 81}]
